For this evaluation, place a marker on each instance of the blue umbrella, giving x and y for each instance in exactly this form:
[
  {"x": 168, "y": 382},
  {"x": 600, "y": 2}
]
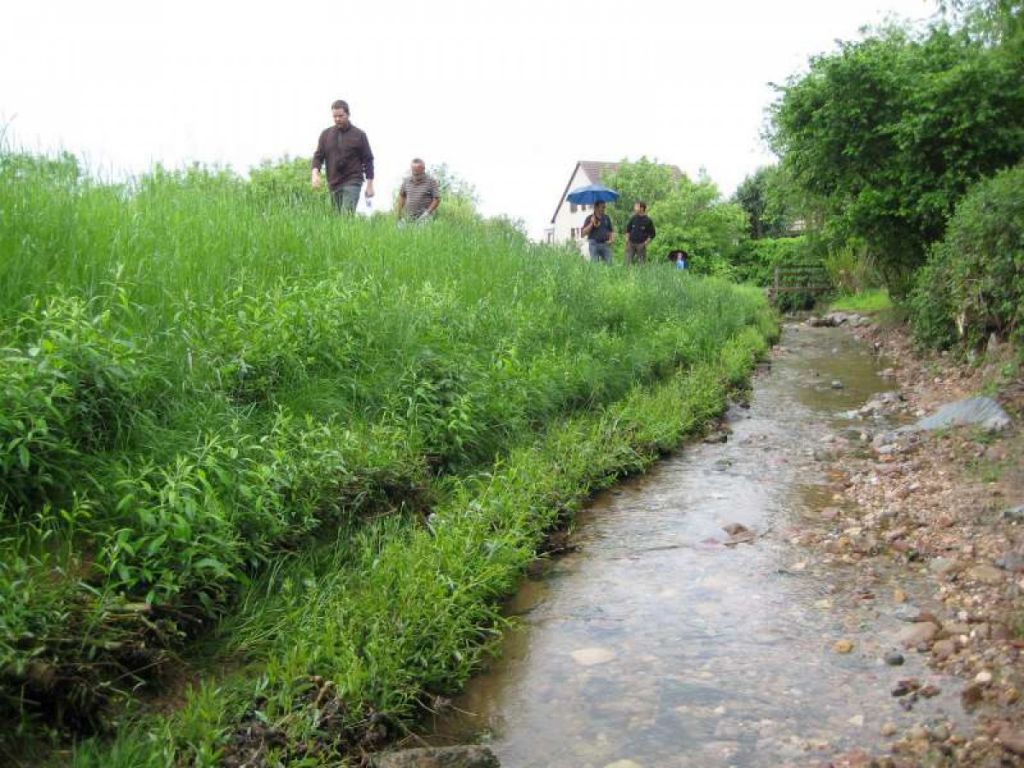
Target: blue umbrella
[{"x": 592, "y": 193}]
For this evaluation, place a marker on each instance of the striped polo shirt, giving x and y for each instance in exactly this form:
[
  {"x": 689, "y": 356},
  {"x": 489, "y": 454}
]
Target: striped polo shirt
[{"x": 419, "y": 194}]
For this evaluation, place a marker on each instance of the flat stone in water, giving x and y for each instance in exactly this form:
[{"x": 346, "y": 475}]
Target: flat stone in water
[
  {"x": 906, "y": 612},
  {"x": 588, "y": 657}
]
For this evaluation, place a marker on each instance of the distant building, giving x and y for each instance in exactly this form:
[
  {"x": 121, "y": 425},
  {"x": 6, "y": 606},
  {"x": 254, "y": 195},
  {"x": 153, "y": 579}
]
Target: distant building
[{"x": 568, "y": 219}]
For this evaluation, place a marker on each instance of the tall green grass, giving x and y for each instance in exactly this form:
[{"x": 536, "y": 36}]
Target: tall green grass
[{"x": 198, "y": 382}]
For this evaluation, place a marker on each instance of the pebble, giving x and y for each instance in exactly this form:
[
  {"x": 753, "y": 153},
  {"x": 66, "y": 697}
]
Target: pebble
[
  {"x": 1012, "y": 740},
  {"x": 943, "y": 649},
  {"x": 922, "y": 632},
  {"x": 889, "y": 729},
  {"x": 1014, "y": 514},
  {"x": 843, "y": 646},
  {"x": 903, "y": 687},
  {"x": 941, "y": 566},
  {"x": 986, "y": 574},
  {"x": 894, "y": 658},
  {"x": 906, "y": 612},
  {"x": 1011, "y": 561},
  {"x": 918, "y": 733}
]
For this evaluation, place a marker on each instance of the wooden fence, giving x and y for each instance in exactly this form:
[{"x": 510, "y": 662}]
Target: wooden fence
[{"x": 799, "y": 278}]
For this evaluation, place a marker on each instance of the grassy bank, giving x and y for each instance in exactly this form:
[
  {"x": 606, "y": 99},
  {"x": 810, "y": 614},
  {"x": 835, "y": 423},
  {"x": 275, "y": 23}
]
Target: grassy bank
[
  {"x": 872, "y": 300},
  {"x": 346, "y": 646},
  {"x": 202, "y": 384}
]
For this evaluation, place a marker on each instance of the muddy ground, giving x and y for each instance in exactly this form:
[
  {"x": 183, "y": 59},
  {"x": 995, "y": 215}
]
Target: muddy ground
[{"x": 947, "y": 506}]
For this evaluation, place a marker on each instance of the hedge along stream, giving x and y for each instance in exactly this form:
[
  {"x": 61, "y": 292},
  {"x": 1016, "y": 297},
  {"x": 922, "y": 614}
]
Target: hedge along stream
[{"x": 198, "y": 386}]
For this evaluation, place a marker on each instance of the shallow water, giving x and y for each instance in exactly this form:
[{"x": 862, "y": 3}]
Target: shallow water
[{"x": 656, "y": 644}]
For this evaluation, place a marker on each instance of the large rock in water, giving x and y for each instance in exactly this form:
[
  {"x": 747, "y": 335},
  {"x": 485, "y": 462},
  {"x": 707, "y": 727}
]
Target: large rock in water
[
  {"x": 982, "y": 411},
  {"x": 438, "y": 757}
]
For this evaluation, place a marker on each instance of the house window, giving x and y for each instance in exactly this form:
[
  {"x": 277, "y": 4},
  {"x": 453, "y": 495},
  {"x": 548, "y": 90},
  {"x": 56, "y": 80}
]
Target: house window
[{"x": 572, "y": 207}]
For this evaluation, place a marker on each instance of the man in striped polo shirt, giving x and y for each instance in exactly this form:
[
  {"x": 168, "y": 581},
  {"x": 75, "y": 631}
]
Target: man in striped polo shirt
[{"x": 419, "y": 195}]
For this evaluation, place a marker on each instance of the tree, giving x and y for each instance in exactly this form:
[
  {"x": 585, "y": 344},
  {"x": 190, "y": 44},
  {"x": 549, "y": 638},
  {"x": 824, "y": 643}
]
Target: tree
[
  {"x": 888, "y": 133},
  {"x": 459, "y": 197},
  {"x": 693, "y": 217},
  {"x": 763, "y": 197},
  {"x": 644, "y": 179}
]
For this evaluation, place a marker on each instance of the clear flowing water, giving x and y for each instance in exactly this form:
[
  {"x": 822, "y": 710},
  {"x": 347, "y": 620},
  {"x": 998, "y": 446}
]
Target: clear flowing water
[{"x": 659, "y": 644}]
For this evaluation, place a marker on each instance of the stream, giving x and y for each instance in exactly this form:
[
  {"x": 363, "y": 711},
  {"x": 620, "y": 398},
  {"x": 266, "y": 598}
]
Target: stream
[{"x": 664, "y": 641}]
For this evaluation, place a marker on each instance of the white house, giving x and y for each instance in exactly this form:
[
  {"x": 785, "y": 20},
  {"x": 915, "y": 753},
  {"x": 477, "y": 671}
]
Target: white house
[{"x": 568, "y": 219}]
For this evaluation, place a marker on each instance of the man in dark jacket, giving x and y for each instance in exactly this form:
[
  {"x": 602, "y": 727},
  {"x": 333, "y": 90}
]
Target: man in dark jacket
[
  {"x": 639, "y": 232},
  {"x": 346, "y": 152}
]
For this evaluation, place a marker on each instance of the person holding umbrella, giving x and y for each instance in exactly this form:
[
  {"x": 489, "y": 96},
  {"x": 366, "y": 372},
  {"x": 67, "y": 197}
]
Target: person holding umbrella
[
  {"x": 600, "y": 233},
  {"x": 597, "y": 228}
]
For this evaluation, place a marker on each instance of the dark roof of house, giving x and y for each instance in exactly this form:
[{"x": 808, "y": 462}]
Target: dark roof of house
[{"x": 595, "y": 170}]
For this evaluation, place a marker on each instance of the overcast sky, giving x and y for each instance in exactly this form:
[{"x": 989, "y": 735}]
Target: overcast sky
[{"x": 509, "y": 95}]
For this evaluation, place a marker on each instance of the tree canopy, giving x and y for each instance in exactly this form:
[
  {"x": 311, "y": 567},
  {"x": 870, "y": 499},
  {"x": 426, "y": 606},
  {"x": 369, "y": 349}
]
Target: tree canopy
[{"x": 888, "y": 133}]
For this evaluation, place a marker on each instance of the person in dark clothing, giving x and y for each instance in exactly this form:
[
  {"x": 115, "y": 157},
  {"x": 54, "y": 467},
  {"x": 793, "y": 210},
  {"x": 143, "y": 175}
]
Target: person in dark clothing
[
  {"x": 639, "y": 232},
  {"x": 600, "y": 231},
  {"x": 345, "y": 150}
]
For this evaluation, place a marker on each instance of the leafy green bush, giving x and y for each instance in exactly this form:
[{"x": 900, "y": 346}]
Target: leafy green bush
[
  {"x": 760, "y": 257},
  {"x": 70, "y": 384},
  {"x": 973, "y": 285},
  {"x": 932, "y": 315}
]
